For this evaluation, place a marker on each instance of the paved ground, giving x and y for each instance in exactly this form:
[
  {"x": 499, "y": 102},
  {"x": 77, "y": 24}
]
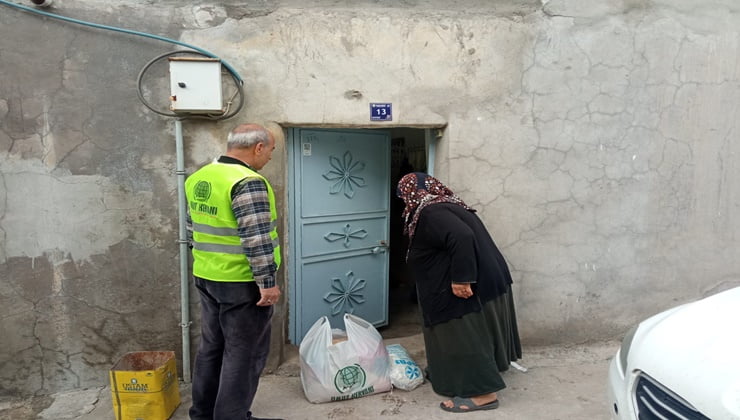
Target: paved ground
[{"x": 562, "y": 383}]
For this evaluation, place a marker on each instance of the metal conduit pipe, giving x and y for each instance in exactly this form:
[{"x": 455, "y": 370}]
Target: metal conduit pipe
[{"x": 183, "y": 241}]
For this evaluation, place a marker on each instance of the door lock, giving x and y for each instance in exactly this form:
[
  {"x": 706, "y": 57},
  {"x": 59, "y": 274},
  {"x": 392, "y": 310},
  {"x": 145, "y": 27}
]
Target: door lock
[{"x": 383, "y": 245}]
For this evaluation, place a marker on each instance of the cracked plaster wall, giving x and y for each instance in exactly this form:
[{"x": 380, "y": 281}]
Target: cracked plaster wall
[{"x": 594, "y": 138}]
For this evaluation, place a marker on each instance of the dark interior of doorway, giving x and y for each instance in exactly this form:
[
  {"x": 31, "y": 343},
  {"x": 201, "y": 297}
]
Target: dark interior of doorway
[{"x": 408, "y": 154}]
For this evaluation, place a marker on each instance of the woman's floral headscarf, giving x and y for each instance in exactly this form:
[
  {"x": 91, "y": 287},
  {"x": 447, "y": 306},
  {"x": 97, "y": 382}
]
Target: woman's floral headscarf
[{"x": 419, "y": 190}]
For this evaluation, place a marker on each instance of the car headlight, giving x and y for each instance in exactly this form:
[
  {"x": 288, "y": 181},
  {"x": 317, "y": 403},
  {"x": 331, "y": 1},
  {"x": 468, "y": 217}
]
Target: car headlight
[{"x": 624, "y": 350}]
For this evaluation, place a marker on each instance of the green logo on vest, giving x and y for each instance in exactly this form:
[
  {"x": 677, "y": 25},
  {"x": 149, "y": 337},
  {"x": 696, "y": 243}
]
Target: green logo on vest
[{"x": 202, "y": 190}]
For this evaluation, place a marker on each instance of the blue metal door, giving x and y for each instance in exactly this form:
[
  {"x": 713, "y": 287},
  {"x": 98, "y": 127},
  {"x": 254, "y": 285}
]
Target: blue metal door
[{"x": 339, "y": 226}]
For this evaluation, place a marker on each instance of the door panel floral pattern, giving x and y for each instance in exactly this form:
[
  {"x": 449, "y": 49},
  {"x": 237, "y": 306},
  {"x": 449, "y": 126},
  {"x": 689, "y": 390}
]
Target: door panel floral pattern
[
  {"x": 345, "y": 295},
  {"x": 343, "y": 173}
]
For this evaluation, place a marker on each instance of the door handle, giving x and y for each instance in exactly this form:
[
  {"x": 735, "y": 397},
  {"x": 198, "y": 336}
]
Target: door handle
[{"x": 380, "y": 249}]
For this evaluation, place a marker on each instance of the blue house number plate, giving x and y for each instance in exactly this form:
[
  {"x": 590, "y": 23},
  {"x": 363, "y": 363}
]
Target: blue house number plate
[{"x": 381, "y": 112}]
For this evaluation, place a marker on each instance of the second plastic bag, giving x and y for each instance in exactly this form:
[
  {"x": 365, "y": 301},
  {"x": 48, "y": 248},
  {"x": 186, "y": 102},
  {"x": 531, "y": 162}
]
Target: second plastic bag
[
  {"x": 350, "y": 368},
  {"x": 405, "y": 373}
]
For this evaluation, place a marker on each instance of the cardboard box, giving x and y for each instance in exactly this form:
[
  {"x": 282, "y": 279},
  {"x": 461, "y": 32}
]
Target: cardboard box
[{"x": 144, "y": 386}]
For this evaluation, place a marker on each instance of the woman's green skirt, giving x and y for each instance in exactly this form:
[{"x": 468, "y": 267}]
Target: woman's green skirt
[{"x": 465, "y": 355}]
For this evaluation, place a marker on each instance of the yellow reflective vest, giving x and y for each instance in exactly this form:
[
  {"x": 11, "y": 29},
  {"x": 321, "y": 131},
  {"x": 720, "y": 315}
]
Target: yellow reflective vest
[{"x": 218, "y": 254}]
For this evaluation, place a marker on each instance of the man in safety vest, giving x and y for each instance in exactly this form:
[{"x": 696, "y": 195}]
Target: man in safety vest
[{"x": 236, "y": 254}]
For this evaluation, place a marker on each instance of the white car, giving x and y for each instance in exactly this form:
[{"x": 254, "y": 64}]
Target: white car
[{"x": 683, "y": 363}]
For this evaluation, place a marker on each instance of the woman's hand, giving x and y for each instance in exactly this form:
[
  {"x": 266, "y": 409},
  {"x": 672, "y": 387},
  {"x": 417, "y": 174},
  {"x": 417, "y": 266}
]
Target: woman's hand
[{"x": 462, "y": 290}]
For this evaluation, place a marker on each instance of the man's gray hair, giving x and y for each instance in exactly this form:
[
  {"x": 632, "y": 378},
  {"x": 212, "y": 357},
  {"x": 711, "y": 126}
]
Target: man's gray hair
[{"x": 245, "y": 139}]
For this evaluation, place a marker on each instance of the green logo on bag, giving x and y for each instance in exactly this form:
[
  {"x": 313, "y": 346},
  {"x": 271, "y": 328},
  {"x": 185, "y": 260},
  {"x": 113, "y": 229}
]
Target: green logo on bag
[{"x": 349, "y": 377}]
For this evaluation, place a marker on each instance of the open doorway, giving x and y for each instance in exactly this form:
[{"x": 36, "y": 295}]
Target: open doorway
[{"x": 408, "y": 154}]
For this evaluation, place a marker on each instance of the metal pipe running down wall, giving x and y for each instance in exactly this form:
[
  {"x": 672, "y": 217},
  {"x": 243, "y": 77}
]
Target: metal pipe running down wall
[{"x": 183, "y": 241}]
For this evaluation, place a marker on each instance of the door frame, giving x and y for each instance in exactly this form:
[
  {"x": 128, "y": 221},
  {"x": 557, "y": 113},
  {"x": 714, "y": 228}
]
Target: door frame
[{"x": 431, "y": 136}]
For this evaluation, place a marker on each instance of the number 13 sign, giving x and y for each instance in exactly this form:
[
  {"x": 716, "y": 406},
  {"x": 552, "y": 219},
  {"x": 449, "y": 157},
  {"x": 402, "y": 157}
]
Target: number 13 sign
[{"x": 381, "y": 112}]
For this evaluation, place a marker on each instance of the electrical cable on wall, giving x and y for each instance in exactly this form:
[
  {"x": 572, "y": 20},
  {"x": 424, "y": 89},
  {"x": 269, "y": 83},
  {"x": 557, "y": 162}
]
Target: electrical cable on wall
[{"x": 229, "y": 112}]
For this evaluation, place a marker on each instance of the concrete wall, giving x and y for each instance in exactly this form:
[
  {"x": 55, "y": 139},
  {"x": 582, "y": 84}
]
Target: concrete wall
[{"x": 596, "y": 139}]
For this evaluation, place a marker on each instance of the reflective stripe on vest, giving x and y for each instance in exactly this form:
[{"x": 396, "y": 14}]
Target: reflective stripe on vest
[
  {"x": 217, "y": 251},
  {"x": 226, "y": 249}
]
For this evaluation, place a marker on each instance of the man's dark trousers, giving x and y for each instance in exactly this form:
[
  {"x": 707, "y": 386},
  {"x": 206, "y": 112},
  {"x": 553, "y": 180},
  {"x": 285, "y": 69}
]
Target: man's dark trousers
[{"x": 234, "y": 343}]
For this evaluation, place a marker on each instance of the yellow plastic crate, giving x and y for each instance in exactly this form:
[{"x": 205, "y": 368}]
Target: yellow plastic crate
[{"x": 144, "y": 386}]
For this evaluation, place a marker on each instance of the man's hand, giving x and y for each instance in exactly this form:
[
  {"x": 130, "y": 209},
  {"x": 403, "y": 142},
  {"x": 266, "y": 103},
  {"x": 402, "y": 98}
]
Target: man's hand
[
  {"x": 269, "y": 296},
  {"x": 462, "y": 290}
]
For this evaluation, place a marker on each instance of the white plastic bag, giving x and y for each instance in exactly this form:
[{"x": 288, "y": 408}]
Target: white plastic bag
[
  {"x": 351, "y": 368},
  {"x": 405, "y": 373}
]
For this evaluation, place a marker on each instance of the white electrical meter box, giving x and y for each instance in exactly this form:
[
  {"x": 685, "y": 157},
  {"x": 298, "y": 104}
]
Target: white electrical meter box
[{"x": 195, "y": 85}]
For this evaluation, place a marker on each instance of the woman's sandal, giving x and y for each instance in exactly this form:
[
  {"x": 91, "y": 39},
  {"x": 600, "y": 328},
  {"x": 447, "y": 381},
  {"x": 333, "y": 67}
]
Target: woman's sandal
[{"x": 457, "y": 402}]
